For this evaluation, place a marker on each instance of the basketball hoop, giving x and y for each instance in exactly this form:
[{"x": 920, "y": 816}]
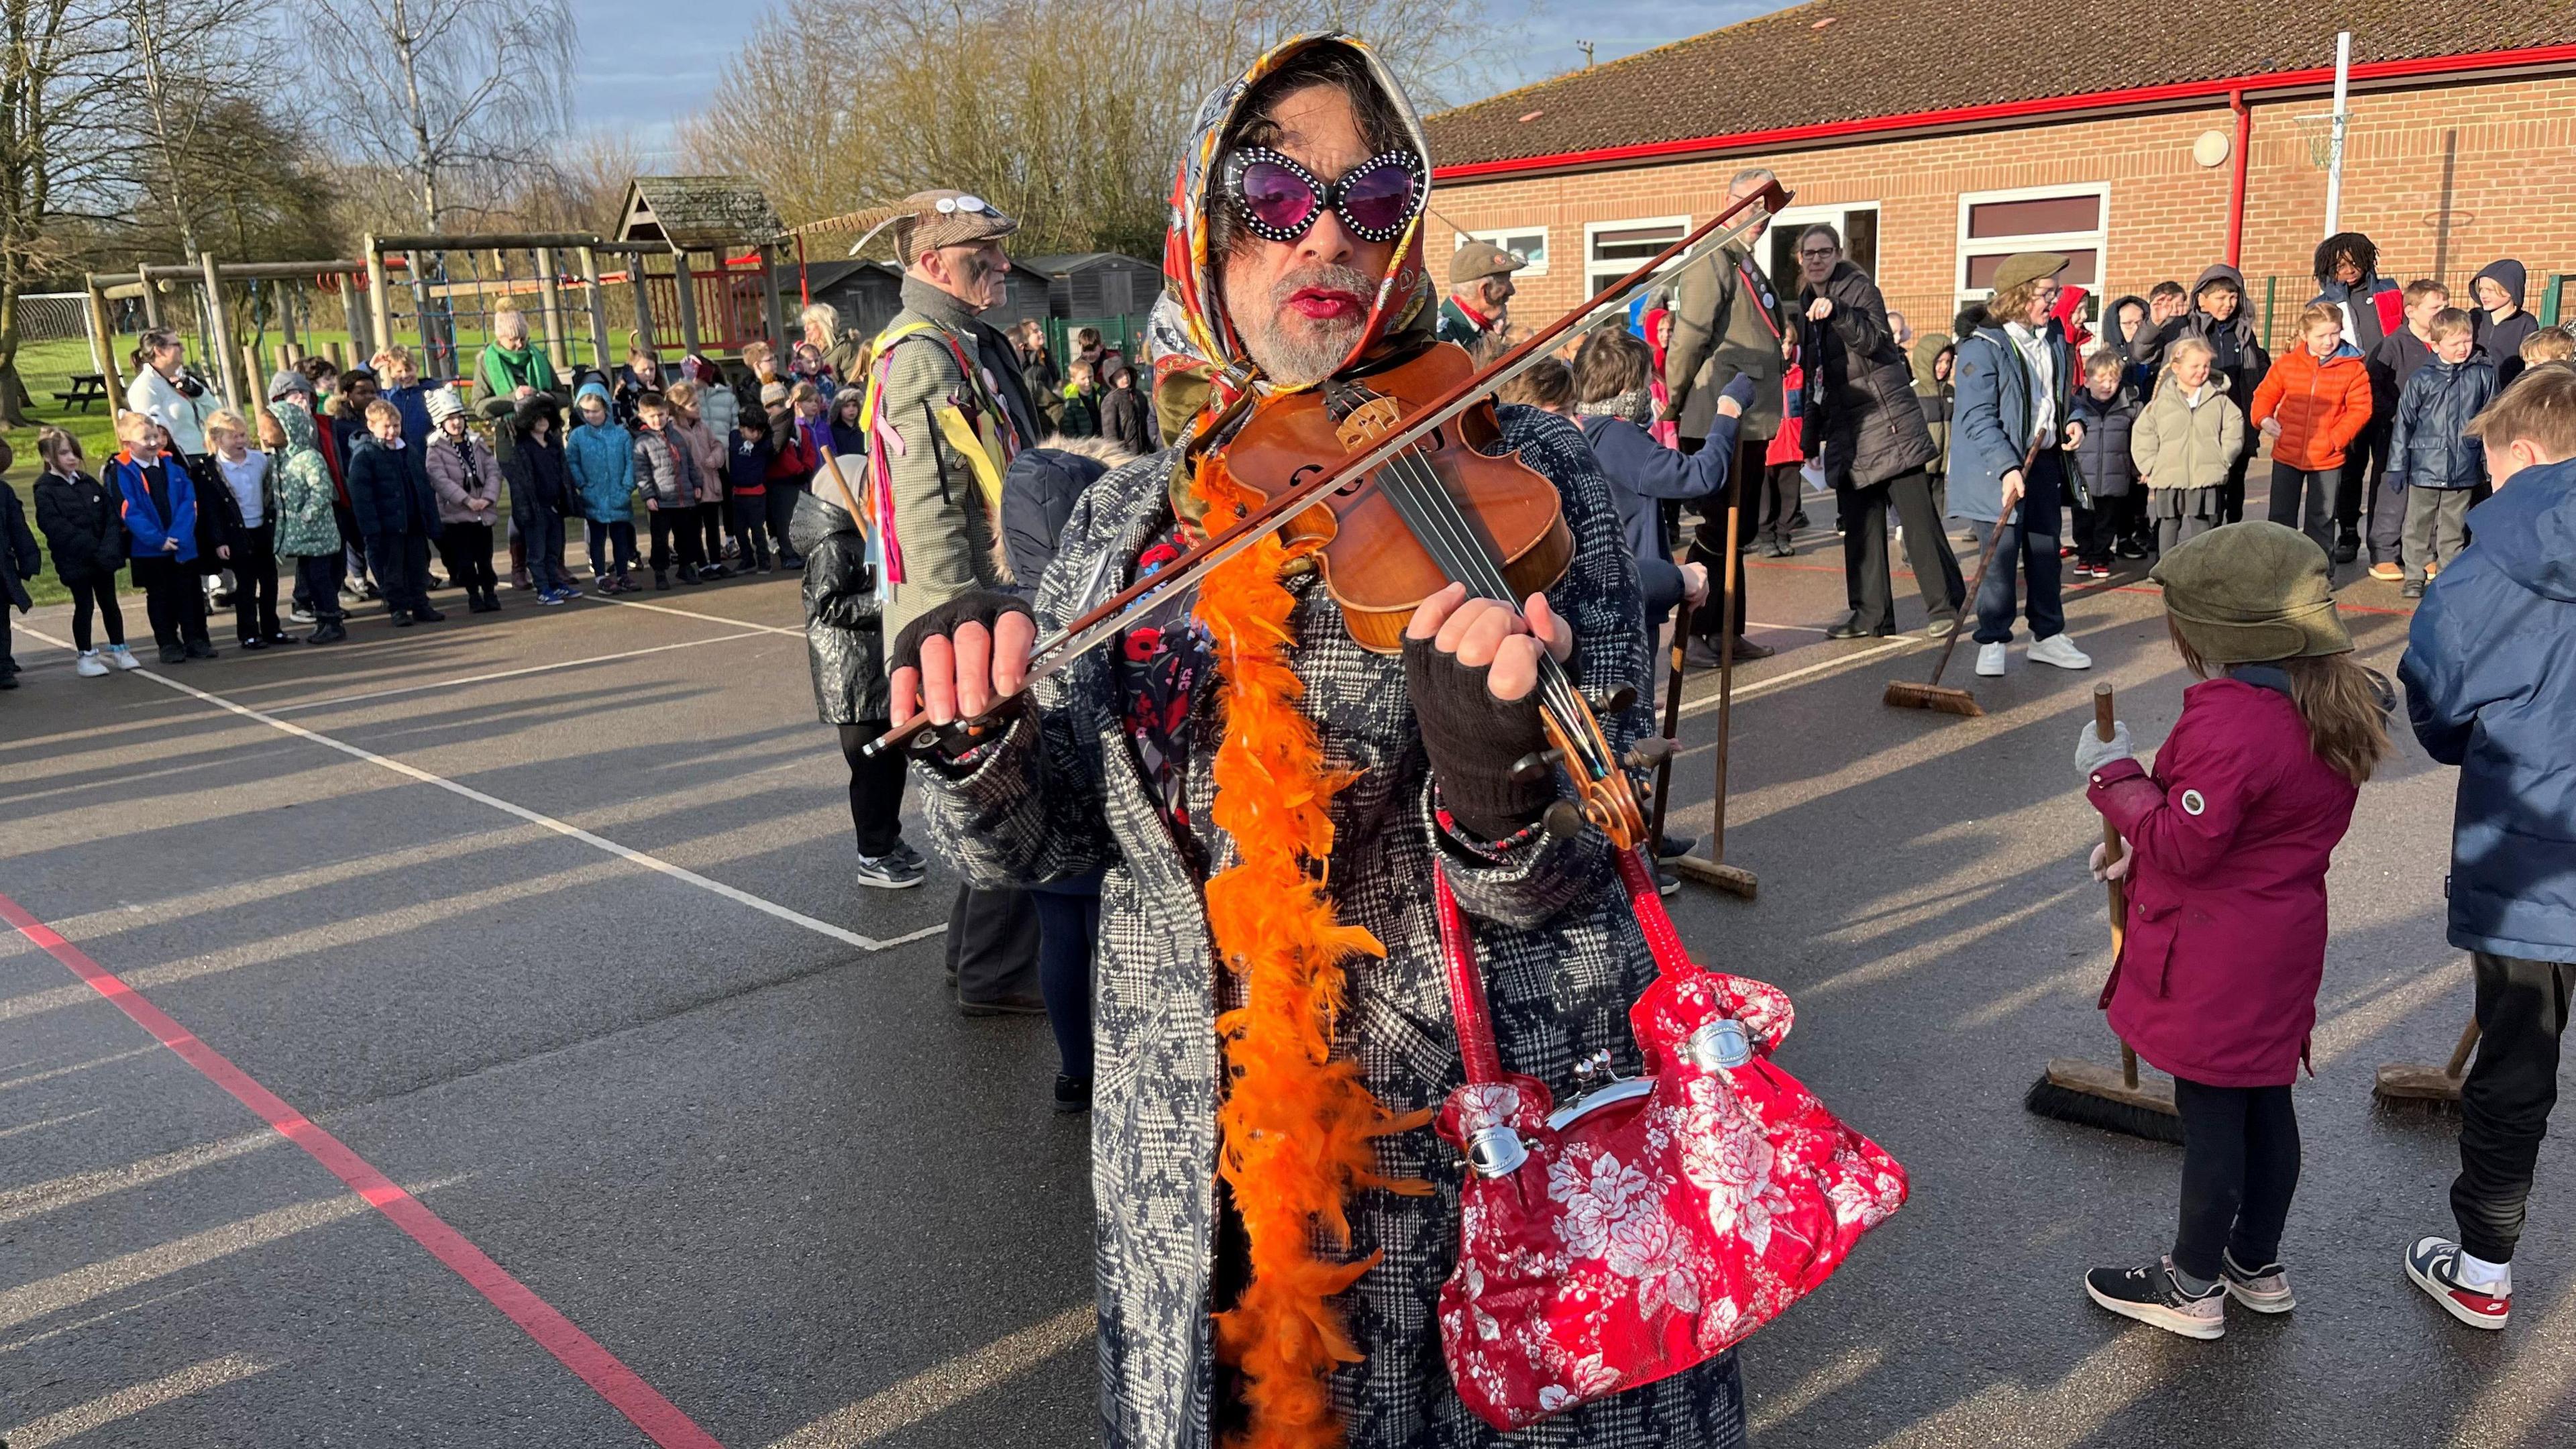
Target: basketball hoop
[{"x": 2318, "y": 131}]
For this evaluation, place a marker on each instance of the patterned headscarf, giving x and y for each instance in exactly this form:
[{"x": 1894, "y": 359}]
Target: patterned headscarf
[{"x": 1198, "y": 358}]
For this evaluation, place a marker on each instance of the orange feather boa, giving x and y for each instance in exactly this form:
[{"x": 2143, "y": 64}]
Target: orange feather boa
[{"x": 1298, "y": 1127}]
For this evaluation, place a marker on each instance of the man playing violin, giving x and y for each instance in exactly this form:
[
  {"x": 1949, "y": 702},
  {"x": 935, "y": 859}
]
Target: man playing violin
[{"x": 1183, "y": 760}]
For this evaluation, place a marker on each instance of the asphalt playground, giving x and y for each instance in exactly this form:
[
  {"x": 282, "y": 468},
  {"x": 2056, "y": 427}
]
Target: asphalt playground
[{"x": 470, "y": 1035}]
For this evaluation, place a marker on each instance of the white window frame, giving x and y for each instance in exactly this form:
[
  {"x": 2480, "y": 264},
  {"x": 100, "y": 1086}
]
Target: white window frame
[
  {"x": 1593, "y": 229},
  {"x": 1831, "y": 213},
  {"x": 1496, "y": 235},
  {"x": 2097, "y": 241}
]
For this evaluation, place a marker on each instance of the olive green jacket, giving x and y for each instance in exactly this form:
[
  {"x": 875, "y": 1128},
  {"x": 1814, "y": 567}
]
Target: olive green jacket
[
  {"x": 940, "y": 522},
  {"x": 1719, "y": 332}
]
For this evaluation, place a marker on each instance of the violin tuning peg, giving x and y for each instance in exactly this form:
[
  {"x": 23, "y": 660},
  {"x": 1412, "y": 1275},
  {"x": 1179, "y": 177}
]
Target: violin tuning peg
[
  {"x": 1531, "y": 768},
  {"x": 1564, "y": 820},
  {"x": 1649, "y": 752}
]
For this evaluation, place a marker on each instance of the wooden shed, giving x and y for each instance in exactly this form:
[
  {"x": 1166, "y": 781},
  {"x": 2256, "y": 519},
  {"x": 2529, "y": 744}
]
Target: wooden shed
[
  {"x": 1093, "y": 286},
  {"x": 720, "y": 233}
]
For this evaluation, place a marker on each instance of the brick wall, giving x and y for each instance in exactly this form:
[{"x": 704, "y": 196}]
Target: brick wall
[{"x": 2512, "y": 159}]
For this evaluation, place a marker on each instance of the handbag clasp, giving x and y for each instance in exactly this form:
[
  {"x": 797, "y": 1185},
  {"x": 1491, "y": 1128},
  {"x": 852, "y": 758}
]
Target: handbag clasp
[{"x": 1601, "y": 1086}]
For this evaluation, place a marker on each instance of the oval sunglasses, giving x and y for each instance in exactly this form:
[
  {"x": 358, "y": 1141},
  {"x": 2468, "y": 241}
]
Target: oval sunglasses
[{"x": 1279, "y": 199}]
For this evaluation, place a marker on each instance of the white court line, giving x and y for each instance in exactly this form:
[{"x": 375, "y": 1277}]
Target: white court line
[
  {"x": 691, "y": 614},
  {"x": 946, "y": 1385},
  {"x": 548, "y": 822},
  {"x": 1759, "y": 686},
  {"x": 340, "y": 699}
]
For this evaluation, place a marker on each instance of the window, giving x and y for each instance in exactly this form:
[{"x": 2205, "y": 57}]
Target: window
[
  {"x": 2073, "y": 221},
  {"x": 1613, "y": 249},
  {"x": 1855, "y": 221},
  {"x": 1529, "y": 243}
]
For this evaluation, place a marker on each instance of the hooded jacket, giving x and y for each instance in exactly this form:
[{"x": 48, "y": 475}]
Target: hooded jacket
[
  {"x": 2429, "y": 446},
  {"x": 2502, "y": 341},
  {"x": 1124, "y": 419},
  {"x": 77, "y": 516},
  {"x": 1643, "y": 473},
  {"x": 2237, "y": 345},
  {"x": 149, "y": 523},
  {"x": 844, "y": 632},
  {"x": 1038, "y": 494},
  {"x": 307, "y": 526},
  {"x": 1871, "y": 427},
  {"x": 666, "y": 473},
  {"x": 460, "y": 470},
  {"x": 389, "y": 489},
  {"x": 2177, "y": 445},
  {"x": 2102, "y": 460},
  {"x": 2322, "y": 404},
  {"x": 1990, "y": 428},
  {"x": 2226, "y": 942},
  {"x": 2137, "y": 379},
  {"x": 2490, "y": 675},
  {"x": 706, "y": 453},
  {"x": 19, "y": 558},
  {"x": 539, "y": 476},
  {"x": 601, "y": 458}
]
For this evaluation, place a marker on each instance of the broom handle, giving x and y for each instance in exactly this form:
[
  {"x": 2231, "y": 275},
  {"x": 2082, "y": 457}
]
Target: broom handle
[
  {"x": 2119, "y": 899},
  {"x": 2460, "y": 1054},
  {"x": 1726, "y": 653},
  {"x": 1672, "y": 728},
  {"x": 1985, "y": 560}
]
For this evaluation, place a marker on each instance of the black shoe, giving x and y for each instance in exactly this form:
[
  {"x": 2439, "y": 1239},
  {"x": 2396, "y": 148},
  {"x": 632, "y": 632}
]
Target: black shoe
[
  {"x": 2150, "y": 1295},
  {"x": 904, "y": 852},
  {"x": 1797, "y": 520},
  {"x": 331, "y": 633},
  {"x": 888, "y": 873},
  {"x": 1676, "y": 846},
  {"x": 713, "y": 572},
  {"x": 9, "y": 680},
  {"x": 402, "y": 621},
  {"x": 174, "y": 653},
  {"x": 2411, "y": 589},
  {"x": 1853, "y": 628},
  {"x": 1072, "y": 1094},
  {"x": 1700, "y": 655},
  {"x": 2130, "y": 548},
  {"x": 254, "y": 642},
  {"x": 1747, "y": 649},
  {"x": 282, "y": 637},
  {"x": 662, "y": 580},
  {"x": 1667, "y": 883},
  {"x": 2347, "y": 548},
  {"x": 792, "y": 562},
  {"x": 1002, "y": 1006},
  {"x": 199, "y": 649},
  {"x": 428, "y": 615},
  {"x": 688, "y": 573}
]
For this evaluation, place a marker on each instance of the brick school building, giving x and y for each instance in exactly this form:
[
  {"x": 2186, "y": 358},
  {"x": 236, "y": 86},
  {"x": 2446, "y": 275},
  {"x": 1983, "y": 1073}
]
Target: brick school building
[{"x": 2145, "y": 139}]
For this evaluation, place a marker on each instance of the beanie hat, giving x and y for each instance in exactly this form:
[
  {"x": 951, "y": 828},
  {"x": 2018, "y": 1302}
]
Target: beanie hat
[
  {"x": 2251, "y": 592},
  {"x": 444, "y": 404},
  {"x": 772, "y": 394}
]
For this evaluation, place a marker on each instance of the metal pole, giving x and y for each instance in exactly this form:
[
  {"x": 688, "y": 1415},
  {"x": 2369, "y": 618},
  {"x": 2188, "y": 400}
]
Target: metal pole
[
  {"x": 2342, "y": 116},
  {"x": 550, "y": 302},
  {"x": 219, "y": 345},
  {"x": 598, "y": 313}
]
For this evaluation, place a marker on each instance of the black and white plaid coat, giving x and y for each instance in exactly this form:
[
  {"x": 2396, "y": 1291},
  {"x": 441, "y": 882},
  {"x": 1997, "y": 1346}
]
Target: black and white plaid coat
[{"x": 1563, "y": 958}]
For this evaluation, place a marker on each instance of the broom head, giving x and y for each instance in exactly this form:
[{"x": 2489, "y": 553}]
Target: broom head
[
  {"x": 1732, "y": 879},
  {"x": 2089, "y": 1094},
  {"x": 1939, "y": 698},
  {"x": 2416, "y": 1086}
]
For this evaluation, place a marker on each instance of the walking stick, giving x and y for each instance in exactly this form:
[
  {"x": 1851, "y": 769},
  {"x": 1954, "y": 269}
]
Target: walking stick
[{"x": 1714, "y": 871}]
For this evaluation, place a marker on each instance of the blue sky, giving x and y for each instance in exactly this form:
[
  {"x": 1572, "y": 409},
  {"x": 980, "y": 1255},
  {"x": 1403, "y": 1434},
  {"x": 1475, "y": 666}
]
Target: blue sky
[{"x": 646, "y": 62}]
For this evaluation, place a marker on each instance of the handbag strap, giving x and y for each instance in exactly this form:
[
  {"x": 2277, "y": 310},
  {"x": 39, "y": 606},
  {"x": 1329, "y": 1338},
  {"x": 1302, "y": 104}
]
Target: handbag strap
[{"x": 1468, "y": 1007}]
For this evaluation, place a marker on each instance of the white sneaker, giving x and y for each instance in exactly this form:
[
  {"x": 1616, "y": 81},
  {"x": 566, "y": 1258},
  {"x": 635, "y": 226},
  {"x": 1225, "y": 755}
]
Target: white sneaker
[
  {"x": 122, "y": 657},
  {"x": 90, "y": 665},
  {"x": 2059, "y": 650},
  {"x": 1990, "y": 660}
]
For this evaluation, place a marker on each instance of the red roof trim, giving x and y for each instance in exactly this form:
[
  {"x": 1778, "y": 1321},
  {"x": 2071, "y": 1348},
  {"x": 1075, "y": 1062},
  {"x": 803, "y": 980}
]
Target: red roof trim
[{"x": 2010, "y": 110}]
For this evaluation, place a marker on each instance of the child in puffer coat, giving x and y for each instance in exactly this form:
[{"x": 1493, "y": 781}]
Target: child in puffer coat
[
  {"x": 2225, "y": 847},
  {"x": 2431, "y": 454},
  {"x": 2312, "y": 404},
  {"x": 667, "y": 479},
  {"x": 600, "y": 455},
  {"x": 2109, "y": 479},
  {"x": 467, "y": 479},
  {"x": 2186, "y": 442},
  {"x": 308, "y": 523}
]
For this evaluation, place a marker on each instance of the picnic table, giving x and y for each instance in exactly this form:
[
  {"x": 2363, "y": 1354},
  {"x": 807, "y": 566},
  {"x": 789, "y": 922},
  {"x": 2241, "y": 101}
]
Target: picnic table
[{"x": 86, "y": 388}]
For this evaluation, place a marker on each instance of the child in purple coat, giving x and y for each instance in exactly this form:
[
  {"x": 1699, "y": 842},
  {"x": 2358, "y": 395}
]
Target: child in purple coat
[{"x": 2225, "y": 847}]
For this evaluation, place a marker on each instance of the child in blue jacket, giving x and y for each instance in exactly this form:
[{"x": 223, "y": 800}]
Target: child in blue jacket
[
  {"x": 160, "y": 503},
  {"x": 2490, "y": 674},
  {"x": 601, "y": 457},
  {"x": 2432, "y": 459}
]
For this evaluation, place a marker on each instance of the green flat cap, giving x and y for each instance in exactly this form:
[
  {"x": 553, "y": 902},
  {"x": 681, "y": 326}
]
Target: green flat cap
[
  {"x": 1482, "y": 259},
  {"x": 2252, "y": 592},
  {"x": 2023, "y": 267}
]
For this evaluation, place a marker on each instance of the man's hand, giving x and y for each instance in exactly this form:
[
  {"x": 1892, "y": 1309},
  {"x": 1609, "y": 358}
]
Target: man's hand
[
  {"x": 2271, "y": 427},
  {"x": 2012, "y": 496},
  {"x": 1694, "y": 584},
  {"x": 957, "y": 660},
  {"x": 1820, "y": 309},
  {"x": 2075, "y": 435},
  {"x": 1471, "y": 669}
]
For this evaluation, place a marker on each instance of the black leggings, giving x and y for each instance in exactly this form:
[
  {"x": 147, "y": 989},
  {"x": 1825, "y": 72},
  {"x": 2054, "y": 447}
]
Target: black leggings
[
  {"x": 1068, "y": 926},
  {"x": 100, "y": 594},
  {"x": 2240, "y": 1164},
  {"x": 466, "y": 549},
  {"x": 876, "y": 789}
]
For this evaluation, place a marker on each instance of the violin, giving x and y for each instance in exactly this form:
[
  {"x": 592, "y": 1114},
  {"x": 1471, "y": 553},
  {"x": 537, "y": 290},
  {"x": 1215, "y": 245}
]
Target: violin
[{"x": 1384, "y": 471}]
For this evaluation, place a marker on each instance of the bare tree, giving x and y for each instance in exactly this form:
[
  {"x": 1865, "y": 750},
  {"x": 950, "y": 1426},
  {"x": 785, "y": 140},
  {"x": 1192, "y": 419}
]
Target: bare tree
[
  {"x": 64, "y": 71},
  {"x": 194, "y": 62},
  {"x": 455, "y": 95}
]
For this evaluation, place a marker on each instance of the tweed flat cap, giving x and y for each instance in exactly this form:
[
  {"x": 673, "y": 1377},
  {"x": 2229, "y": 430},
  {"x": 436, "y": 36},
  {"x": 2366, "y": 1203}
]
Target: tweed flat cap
[
  {"x": 2023, "y": 267},
  {"x": 947, "y": 219},
  {"x": 1482, "y": 259},
  {"x": 2251, "y": 592}
]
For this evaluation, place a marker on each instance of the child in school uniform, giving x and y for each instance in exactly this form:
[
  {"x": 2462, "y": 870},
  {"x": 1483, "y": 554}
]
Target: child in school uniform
[
  {"x": 747, "y": 479},
  {"x": 19, "y": 560},
  {"x": 2432, "y": 457},
  {"x": 78, "y": 516},
  {"x": 159, "y": 501},
  {"x": 2225, "y": 847},
  {"x": 249, "y": 520}
]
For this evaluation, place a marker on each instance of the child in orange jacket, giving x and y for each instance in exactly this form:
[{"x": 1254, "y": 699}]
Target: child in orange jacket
[{"x": 2312, "y": 404}]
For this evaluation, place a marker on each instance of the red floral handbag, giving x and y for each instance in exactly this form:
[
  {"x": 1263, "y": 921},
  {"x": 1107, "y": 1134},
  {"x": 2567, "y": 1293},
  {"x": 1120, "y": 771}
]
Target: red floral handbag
[{"x": 1657, "y": 1220}]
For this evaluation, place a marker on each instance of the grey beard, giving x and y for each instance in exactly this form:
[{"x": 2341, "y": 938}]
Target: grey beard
[{"x": 1288, "y": 349}]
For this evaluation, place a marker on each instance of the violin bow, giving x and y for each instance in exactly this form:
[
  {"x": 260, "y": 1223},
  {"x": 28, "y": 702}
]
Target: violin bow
[{"x": 1111, "y": 615}]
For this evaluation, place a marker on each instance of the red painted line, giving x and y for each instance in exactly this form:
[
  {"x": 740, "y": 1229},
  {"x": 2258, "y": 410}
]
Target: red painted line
[
  {"x": 628, "y": 1394},
  {"x": 2414, "y": 68}
]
